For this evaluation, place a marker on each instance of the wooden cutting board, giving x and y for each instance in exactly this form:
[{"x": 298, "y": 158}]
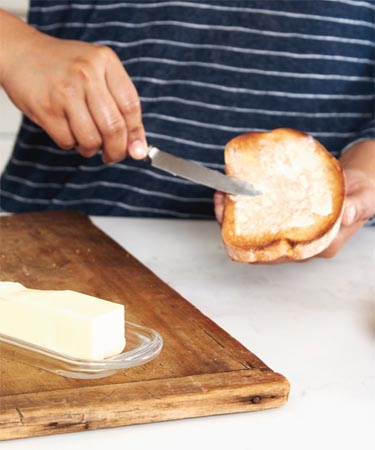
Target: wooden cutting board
[{"x": 201, "y": 370}]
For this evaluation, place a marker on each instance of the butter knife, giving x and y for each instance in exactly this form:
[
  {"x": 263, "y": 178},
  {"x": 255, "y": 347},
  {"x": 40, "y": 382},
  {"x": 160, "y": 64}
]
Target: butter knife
[{"x": 198, "y": 173}]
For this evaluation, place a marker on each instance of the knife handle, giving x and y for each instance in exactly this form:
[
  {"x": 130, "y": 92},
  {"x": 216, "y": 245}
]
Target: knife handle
[{"x": 151, "y": 152}]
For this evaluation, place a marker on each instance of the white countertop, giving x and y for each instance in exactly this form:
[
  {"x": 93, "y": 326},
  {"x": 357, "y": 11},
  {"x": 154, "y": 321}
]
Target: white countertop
[{"x": 312, "y": 322}]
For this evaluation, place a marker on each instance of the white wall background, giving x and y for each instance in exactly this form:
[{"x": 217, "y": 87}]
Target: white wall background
[
  {"x": 18, "y": 7},
  {"x": 9, "y": 115}
]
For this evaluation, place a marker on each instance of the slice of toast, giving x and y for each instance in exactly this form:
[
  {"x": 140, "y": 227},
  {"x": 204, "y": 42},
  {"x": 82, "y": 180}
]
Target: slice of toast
[{"x": 299, "y": 213}]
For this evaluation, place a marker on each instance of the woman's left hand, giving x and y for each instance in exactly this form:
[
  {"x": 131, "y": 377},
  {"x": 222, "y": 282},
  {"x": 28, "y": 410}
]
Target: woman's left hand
[
  {"x": 359, "y": 170},
  {"x": 359, "y": 206}
]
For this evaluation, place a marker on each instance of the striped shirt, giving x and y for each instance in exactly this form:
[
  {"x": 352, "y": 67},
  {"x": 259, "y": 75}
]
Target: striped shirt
[{"x": 205, "y": 72}]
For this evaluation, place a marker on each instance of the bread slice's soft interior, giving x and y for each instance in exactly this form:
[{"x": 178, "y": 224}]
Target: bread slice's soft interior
[{"x": 302, "y": 190}]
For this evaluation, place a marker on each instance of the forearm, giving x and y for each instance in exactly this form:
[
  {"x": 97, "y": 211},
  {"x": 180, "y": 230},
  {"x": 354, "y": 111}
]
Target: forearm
[
  {"x": 14, "y": 35},
  {"x": 361, "y": 157}
]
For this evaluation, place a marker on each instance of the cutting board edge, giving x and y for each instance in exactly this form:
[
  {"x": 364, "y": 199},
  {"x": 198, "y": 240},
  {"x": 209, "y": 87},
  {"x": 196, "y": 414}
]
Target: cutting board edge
[{"x": 25, "y": 418}]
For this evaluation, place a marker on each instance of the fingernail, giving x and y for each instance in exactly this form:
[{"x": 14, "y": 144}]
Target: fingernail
[
  {"x": 349, "y": 215},
  {"x": 137, "y": 149}
]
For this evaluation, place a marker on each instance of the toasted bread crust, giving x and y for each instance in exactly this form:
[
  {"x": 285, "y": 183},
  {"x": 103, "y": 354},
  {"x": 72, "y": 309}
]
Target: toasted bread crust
[{"x": 295, "y": 243}]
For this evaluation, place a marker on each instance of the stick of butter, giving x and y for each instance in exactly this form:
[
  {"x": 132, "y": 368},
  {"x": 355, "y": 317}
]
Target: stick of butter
[{"x": 67, "y": 322}]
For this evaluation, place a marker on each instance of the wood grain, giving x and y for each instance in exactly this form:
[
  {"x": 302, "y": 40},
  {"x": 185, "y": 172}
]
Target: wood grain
[{"x": 201, "y": 370}]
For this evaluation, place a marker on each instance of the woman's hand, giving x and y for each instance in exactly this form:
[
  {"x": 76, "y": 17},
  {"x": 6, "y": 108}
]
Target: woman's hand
[
  {"x": 359, "y": 171},
  {"x": 79, "y": 93},
  {"x": 219, "y": 201}
]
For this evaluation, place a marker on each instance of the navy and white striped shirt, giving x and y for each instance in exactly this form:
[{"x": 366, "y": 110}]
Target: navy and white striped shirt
[{"x": 205, "y": 72}]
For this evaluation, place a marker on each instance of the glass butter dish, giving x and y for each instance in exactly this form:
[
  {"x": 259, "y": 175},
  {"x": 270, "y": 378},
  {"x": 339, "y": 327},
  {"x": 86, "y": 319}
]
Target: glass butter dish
[{"x": 142, "y": 345}]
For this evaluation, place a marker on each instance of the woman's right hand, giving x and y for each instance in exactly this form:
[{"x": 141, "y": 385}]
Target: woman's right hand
[{"x": 79, "y": 93}]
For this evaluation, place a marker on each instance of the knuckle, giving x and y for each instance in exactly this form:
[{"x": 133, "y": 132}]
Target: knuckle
[
  {"x": 136, "y": 131},
  {"x": 65, "y": 143},
  {"x": 114, "y": 127},
  {"x": 131, "y": 107},
  {"x": 82, "y": 69},
  {"x": 66, "y": 90},
  {"x": 103, "y": 52},
  {"x": 91, "y": 144},
  {"x": 87, "y": 152}
]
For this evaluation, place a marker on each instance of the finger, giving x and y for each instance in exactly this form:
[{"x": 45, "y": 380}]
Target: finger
[
  {"x": 126, "y": 97},
  {"x": 359, "y": 206},
  {"x": 219, "y": 199},
  {"x": 108, "y": 120},
  {"x": 83, "y": 128},
  {"x": 59, "y": 131},
  {"x": 348, "y": 217},
  {"x": 344, "y": 235},
  {"x": 354, "y": 179}
]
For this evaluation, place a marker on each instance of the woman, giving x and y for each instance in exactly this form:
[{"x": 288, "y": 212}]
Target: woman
[{"x": 203, "y": 73}]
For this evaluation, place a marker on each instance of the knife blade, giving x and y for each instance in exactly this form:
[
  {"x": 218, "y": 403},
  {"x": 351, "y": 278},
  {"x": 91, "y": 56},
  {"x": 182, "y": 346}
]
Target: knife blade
[{"x": 197, "y": 173}]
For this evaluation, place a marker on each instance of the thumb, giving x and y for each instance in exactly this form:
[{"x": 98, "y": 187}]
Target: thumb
[
  {"x": 219, "y": 200},
  {"x": 359, "y": 207}
]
